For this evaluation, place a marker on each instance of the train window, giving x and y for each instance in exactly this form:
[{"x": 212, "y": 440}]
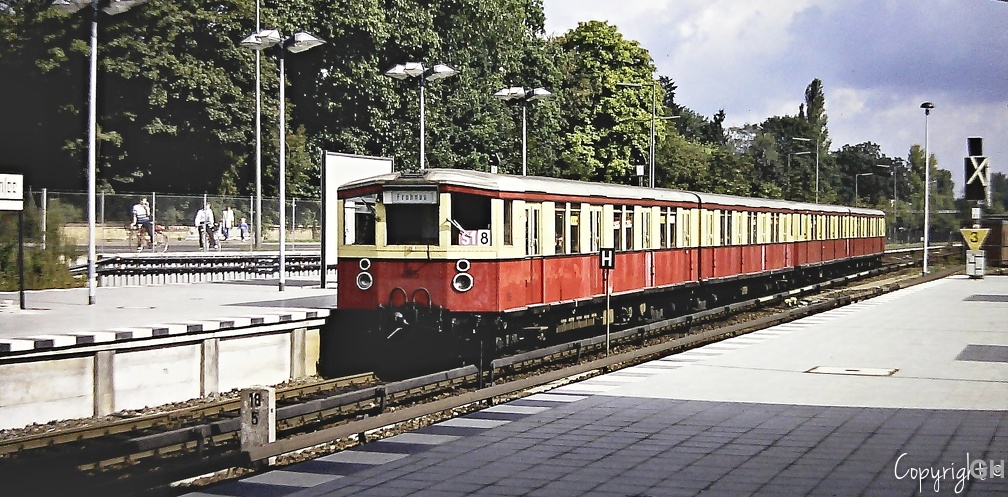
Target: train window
[
  {"x": 726, "y": 227},
  {"x": 575, "y": 230},
  {"x": 560, "y": 229},
  {"x": 663, "y": 228},
  {"x": 595, "y": 229},
  {"x": 774, "y": 227},
  {"x": 646, "y": 228},
  {"x": 532, "y": 230},
  {"x": 628, "y": 223},
  {"x": 616, "y": 226},
  {"x": 687, "y": 228},
  {"x": 411, "y": 224},
  {"x": 622, "y": 227},
  {"x": 470, "y": 213},
  {"x": 359, "y": 220},
  {"x": 508, "y": 222},
  {"x": 671, "y": 228},
  {"x": 753, "y": 227}
]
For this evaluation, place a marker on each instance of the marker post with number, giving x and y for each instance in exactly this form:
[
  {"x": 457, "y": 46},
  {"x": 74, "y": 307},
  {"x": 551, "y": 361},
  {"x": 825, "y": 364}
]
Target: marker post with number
[
  {"x": 12, "y": 199},
  {"x": 258, "y": 417},
  {"x": 607, "y": 262}
]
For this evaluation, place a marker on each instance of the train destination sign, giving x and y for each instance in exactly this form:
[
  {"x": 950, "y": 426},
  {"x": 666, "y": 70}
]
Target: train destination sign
[
  {"x": 974, "y": 237},
  {"x": 476, "y": 238},
  {"x": 410, "y": 197},
  {"x": 11, "y": 192}
]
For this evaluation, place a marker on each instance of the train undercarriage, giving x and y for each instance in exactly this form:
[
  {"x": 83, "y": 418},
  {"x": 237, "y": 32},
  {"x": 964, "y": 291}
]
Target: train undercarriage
[{"x": 420, "y": 337}]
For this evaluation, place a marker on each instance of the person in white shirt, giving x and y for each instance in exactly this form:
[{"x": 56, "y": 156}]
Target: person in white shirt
[
  {"x": 227, "y": 222},
  {"x": 142, "y": 218},
  {"x": 204, "y": 224}
]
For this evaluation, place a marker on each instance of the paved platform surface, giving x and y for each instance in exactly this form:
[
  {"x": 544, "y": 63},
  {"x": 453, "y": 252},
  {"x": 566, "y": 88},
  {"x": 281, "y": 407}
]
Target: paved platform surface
[
  {"x": 56, "y": 318},
  {"x": 905, "y": 394}
]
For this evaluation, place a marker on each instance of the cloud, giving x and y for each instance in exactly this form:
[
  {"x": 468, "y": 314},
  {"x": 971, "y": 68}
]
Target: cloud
[{"x": 878, "y": 59}]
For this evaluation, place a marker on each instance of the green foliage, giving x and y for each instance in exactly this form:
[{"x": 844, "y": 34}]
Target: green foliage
[
  {"x": 176, "y": 103},
  {"x": 43, "y": 268}
]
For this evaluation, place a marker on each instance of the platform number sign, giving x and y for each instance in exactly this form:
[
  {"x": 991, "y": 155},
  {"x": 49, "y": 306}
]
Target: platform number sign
[
  {"x": 607, "y": 258},
  {"x": 479, "y": 238},
  {"x": 11, "y": 192}
]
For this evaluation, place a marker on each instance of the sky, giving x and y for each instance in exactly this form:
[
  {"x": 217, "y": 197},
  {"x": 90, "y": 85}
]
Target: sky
[{"x": 878, "y": 61}]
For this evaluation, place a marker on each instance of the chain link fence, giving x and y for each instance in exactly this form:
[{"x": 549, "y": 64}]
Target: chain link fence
[{"x": 176, "y": 213}]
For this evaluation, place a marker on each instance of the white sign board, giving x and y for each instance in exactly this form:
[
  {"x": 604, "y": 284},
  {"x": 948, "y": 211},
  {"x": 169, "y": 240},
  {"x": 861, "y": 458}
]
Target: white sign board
[
  {"x": 429, "y": 196},
  {"x": 479, "y": 238},
  {"x": 11, "y": 192},
  {"x": 338, "y": 170}
]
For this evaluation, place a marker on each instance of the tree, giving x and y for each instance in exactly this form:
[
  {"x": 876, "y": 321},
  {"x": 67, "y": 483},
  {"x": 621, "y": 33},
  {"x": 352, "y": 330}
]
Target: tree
[{"x": 608, "y": 126}]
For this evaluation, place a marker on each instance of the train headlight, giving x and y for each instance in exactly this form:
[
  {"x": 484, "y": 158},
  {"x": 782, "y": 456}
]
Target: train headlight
[
  {"x": 364, "y": 264},
  {"x": 462, "y": 282},
  {"x": 462, "y": 266},
  {"x": 364, "y": 280}
]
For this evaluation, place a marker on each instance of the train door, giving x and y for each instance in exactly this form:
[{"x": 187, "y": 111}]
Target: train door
[{"x": 647, "y": 231}]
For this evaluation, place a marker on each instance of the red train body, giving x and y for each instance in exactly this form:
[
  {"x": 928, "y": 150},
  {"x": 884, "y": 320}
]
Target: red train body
[{"x": 445, "y": 259}]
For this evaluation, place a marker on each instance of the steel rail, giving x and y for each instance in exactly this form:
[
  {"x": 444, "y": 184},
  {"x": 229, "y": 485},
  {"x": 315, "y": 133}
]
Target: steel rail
[{"x": 168, "y": 418}]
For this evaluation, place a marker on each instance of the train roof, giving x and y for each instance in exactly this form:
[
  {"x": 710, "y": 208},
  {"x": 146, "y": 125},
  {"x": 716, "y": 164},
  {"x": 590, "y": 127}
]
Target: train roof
[{"x": 567, "y": 187}]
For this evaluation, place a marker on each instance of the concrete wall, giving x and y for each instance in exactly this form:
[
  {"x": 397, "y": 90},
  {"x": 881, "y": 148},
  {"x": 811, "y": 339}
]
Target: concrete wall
[
  {"x": 100, "y": 380},
  {"x": 143, "y": 378},
  {"x": 38, "y": 392}
]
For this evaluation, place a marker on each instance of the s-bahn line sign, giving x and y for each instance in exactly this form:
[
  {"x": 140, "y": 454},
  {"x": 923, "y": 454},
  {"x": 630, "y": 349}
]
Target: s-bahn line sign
[{"x": 11, "y": 192}]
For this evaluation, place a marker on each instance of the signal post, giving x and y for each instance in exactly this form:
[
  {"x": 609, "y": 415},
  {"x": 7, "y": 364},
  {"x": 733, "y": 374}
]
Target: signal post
[{"x": 977, "y": 169}]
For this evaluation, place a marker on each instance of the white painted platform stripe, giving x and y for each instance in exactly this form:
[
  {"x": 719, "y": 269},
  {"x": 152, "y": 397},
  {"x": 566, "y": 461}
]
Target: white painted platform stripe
[
  {"x": 510, "y": 409},
  {"x": 610, "y": 380},
  {"x": 362, "y": 457},
  {"x": 473, "y": 423},
  {"x": 592, "y": 389},
  {"x": 292, "y": 478},
  {"x": 550, "y": 397},
  {"x": 422, "y": 438}
]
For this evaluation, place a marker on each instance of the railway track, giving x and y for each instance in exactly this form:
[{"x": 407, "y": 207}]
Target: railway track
[{"x": 132, "y": 455}]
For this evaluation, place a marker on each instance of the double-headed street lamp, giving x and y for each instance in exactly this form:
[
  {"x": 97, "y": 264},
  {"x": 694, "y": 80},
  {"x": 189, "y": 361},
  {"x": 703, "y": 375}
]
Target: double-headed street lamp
[
  {"x": 927, "y": 106},
  {"x": 816, "y": 163},
  {"x": 111, "y": 7},
  {"x": 297, "y": 43},
  {"x": 526, "y": 95},
  {"x": 856, "y": 196},
  {"x": 654, "y": 117},
  {"x": 417, "y": 70}
]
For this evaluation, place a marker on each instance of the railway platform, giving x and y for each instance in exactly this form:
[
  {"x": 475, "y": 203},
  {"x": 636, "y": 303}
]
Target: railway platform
[
  {"x": 139, "y": 347},
  {"x": 904, "y": 394},
  {"x": 61, "y": 317}
]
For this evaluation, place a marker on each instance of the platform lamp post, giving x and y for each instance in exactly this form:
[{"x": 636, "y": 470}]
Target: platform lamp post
[
  {"x": 296, "y": 43},
  {"x": 792, "y": 154},
  {"x": 927, "y": 106},
  {"x": 526, "y": 95},
  {"x": 111, "y": 7},
  {"x": 654, "y": 105},
  {"x": 856, "y": 196},
  {"x": 258, "y": 139},
  {"x": 892, "y": 172},
  {"x": 425, "y": 74},
  {"x": 816, "y": 163}
]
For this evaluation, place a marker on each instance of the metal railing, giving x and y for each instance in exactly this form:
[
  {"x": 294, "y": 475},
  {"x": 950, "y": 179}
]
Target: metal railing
[{"x": 177, "y": 213}]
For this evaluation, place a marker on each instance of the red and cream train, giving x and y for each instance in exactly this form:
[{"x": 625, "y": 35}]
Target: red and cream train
[{"x": 435, "y": 265}]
